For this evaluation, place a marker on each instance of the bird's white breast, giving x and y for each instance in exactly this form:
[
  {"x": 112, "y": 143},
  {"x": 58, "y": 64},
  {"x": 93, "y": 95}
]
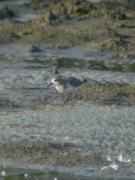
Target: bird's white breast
[{"x": 60, "y": 88}]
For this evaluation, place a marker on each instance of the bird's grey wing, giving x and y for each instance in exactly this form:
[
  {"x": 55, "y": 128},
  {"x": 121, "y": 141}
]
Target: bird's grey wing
[
  {"x": 75, "y": 82},
  {"x": 63, "y": 81}
]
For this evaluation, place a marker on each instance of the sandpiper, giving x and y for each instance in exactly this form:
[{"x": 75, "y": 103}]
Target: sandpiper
[{"x": 66, "y": 85}]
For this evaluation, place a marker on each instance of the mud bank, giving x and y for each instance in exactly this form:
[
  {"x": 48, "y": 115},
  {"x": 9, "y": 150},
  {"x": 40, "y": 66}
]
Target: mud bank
[{"x": 104, "y": 26}]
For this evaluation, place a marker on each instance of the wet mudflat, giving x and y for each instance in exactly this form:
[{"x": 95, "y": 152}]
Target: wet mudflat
[
  {"x": 87, "y": 133},
  {"x": 40, "y": 126}
]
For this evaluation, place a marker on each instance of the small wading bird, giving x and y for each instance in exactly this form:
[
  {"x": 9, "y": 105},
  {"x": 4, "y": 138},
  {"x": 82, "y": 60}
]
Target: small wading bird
[{"x": 66, "y": 85}]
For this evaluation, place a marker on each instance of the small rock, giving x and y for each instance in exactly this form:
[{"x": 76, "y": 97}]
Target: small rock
[
  {"x": 32, "y": 48},
  {"x": 3, "y": 173},
  {"x": 25, "y": 175}
]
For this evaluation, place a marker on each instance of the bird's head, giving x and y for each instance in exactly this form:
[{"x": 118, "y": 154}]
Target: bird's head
[{"x": 54, "y": 80}]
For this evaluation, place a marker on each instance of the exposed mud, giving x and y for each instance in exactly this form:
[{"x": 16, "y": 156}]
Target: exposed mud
[{"x": 101, "y": 26}]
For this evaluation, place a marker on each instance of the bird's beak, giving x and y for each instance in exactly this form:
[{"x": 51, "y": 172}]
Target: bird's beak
[{"x": 49, "y": 85}]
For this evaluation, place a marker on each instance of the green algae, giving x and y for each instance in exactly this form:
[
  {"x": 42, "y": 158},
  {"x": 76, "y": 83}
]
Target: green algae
[
  {"x": 131, "y": 67},
  {"x": 110, "y": 66}
]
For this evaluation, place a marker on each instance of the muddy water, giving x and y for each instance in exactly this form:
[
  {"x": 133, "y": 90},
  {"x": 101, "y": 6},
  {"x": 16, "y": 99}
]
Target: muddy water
[{"x": 76, "y": 131}]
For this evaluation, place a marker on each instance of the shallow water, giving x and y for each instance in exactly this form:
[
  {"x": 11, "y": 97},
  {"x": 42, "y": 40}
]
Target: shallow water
[
  {"x": 22, "y": 12},
  {"x": 59, "y": 177},
  {"x": 22, "y": 174},
  {"x": 39, "y": 172}
]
